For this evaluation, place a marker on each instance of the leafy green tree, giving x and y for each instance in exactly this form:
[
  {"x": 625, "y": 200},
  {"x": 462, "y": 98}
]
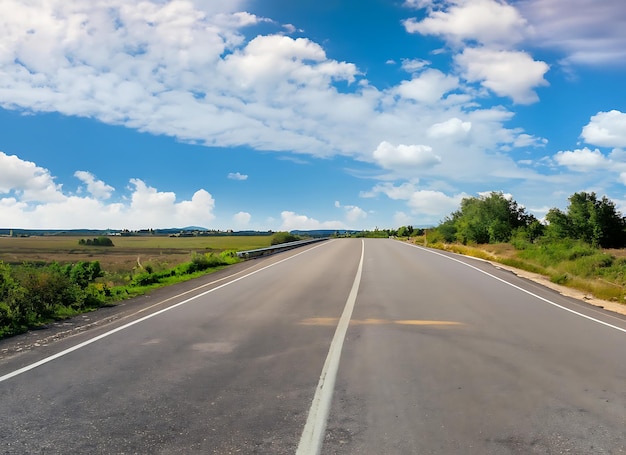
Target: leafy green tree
[
  {"x": 610, "y": 230},
  {"x": 592, "y": 220},
  {"x": 99, "y": 241},
  {"x": 82, "y": 273},
  {"x": 404, "y": 231},
  {"x": 488, "y": 219},
  {"x": 448, "y": 229}
]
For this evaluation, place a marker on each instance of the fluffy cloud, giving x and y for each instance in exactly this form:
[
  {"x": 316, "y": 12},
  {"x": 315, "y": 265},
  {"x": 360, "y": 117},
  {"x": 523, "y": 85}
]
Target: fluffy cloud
[
  {"x": 292, "y": 221},
  {"x": 33, "y": 201},
  {"x": 428, "y": 87},
  {"x": 186, "y": 69},
  {"x": 189, "y": 69},
  {"x": 353, "y": 213},
  {"x": 237, "y": 176},
  {"x": 606, "y": 129},
  {"x": 97, "y": 188},
  {"x": 507, "y": 73},
  {"x": 486, "y": 21},
  {"x": 591, "y": 33},
  {"x": 434, "y": 203},
  {"x": 450, "y": 128},
  {"x": 496, "y": 27},
  {"x": 29, "y": 181},
  {"x": 582, "y": 160},
  {"x": 426, "y": 206},
  {"x": 402, "y": 156},
  {"x": 145, "y": 65},
  {"x": 242, "y": 219}
]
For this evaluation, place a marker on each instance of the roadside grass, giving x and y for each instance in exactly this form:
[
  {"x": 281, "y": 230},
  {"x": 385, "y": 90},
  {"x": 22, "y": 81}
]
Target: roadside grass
[
  {"x": 128, "y": 253},
  {"x": 601, "y": 273},
  {"x": 133, "y": 270}
]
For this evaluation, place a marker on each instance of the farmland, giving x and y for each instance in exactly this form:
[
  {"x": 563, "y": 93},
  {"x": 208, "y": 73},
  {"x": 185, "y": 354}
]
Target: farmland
[
  {"x": 45, "y": 278},
  {"x": 127, "y": 252}
]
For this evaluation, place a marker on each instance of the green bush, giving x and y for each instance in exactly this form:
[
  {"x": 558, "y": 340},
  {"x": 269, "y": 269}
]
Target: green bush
[
  {"x": 283, "y": 237},
  {"x": 99, "y": 241},
  {"x": 34, "y": 293}
]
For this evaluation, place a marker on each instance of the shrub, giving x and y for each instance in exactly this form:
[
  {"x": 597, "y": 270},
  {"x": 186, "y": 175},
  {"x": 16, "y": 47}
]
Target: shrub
[{"x": 283, "y": 237}]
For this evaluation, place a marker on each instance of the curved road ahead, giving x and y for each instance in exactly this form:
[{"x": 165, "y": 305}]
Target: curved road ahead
[{"x": 344, "y": 347}]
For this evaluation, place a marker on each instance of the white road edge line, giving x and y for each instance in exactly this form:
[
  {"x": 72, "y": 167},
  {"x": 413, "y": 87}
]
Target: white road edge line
[
  {"x": 520, "y": 289},
  {"x": 130, "y": 324},
  {"x": 313, "y": 434}
]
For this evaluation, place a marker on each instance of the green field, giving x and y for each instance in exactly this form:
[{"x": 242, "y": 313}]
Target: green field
[
  {"x": 45, "y": 278},
  {"x": 127, "y": 252}
]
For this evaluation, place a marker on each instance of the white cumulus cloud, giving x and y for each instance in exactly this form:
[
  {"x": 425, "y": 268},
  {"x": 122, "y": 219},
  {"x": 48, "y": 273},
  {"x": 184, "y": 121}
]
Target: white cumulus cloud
[
  {"x": 582, "y": 160},
  {"x": 428, "y": 87},
  {"x": 606, "y": 129},
  {"x": 507, "y": 73},
  {"x": 437, "y": 203},
  {"x": 486, "y": 21},
  {"x": 451, "y": 127},
  {"x": 401, "y": 156},
  {"x": 191, "y": 70},
  {"x": 29, "y": 181},
  {"x": 242, "y": 219},
  {"x": 97, "y": 188},
  {"x": 293, "y": 221},
  {"x": 30, "y": 199},
  {"x": 353, "y": 213}
]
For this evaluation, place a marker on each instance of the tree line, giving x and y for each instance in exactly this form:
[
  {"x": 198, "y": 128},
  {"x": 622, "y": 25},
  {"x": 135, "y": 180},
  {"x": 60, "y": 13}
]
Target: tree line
[
  {"x": 99, "y": 241},
  {"x": 495, "y": 218}
]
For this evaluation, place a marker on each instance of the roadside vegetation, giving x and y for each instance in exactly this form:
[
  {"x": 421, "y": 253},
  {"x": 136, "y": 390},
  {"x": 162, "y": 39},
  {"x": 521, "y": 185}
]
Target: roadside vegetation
[
  {"x": 284, "y": 237},
  {"x": 582, "y": 247},
  {"x": 35, "y": 292}
]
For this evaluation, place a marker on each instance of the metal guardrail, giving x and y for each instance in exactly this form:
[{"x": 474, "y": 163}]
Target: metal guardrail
[{"x": 250, "y": 254}]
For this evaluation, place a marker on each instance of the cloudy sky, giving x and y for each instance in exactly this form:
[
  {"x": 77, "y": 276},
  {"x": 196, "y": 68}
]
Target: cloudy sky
[{"x": 308, "y": 114}]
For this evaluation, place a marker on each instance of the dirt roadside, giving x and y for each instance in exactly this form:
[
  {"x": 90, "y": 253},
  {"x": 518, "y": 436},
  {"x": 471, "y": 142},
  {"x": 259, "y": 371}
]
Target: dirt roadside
[{"x": 568, "y": 292}]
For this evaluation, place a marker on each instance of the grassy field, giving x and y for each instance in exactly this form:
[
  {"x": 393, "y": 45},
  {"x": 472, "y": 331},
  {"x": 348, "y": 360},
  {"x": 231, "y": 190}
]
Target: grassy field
[
  {"x": 46, "y": 278},
  {"x": 598, "y": 272},
  {"x": 159, "y": 251}
]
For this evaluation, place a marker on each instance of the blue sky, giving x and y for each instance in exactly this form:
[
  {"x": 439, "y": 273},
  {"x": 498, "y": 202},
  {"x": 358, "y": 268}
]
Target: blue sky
[{"x": 276, "y": 114}]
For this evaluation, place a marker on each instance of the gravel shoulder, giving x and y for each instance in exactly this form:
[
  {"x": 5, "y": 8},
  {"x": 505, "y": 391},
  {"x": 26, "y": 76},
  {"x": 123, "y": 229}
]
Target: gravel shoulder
[{"x": 564, "y": 290}]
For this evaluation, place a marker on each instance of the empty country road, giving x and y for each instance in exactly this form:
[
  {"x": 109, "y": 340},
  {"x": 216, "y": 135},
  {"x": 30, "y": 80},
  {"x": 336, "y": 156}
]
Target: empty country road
[{"x": 348, "y": 346}]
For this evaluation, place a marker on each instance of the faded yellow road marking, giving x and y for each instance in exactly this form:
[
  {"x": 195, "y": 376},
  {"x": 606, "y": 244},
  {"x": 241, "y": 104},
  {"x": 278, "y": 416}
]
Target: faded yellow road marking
[{"x": 333, "y": 322}]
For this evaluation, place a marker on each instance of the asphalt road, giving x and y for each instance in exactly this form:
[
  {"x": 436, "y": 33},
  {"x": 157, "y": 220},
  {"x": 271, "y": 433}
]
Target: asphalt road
[{"x": 344, "y": 347}]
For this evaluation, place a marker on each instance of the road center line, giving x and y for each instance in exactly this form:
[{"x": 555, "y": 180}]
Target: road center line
[
  {"x": 315, "y": 427},
  {"x": 149, "y": 316},
  {"x": 520, "y": 288}
]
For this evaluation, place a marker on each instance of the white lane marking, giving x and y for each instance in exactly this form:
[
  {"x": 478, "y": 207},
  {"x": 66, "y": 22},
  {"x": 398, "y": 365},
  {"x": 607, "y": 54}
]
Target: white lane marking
[
  {"x": 130, "y": 324},
  {"x": 315, "y": 427},
  {"x": 520, "y": 289}
]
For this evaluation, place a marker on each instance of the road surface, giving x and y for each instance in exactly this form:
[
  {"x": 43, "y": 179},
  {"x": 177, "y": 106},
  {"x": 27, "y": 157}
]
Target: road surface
[{"x": 345, "y": 347}]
